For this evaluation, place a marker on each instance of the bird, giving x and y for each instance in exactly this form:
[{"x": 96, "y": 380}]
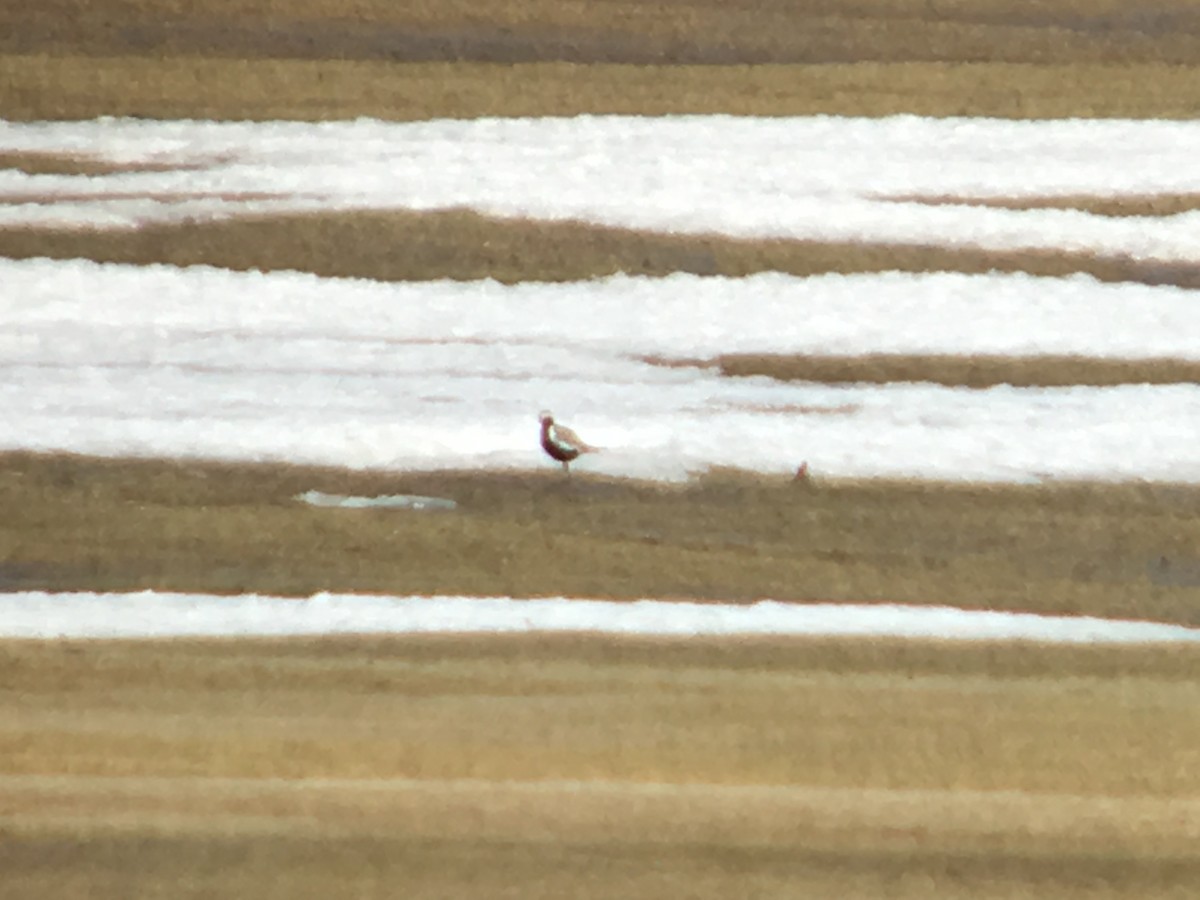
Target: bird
[{"x": 561, "y": 443}]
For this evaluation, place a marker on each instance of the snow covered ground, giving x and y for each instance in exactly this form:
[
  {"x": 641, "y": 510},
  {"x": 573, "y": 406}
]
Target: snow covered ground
[
  {"x": 821, "y": 177},
  {"x": 147, "y": 614},
  {"x": 286, "y": 366}
]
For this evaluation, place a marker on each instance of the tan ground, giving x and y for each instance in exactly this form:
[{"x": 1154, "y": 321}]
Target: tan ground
[
  {"x": 333, "y": 58},
  {"x": 1126, "y": 550},
  {"x": 463, "y": 244},
  {"x": 588, "y": 767},
  {"x": 579, "y": 766}
]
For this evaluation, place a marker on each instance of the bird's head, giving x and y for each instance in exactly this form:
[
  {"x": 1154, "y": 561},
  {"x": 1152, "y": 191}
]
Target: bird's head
[{"x": 545, "y": 417}]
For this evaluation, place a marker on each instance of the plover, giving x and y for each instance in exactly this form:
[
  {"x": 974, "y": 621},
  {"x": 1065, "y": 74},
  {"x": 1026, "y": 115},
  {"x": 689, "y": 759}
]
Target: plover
[{"x": 561, "y": 443}]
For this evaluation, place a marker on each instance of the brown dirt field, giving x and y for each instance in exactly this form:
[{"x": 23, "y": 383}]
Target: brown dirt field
[
  {"x": 976, "y": 371},
  {"x": 337, "y": 59},
  {"x": 617, "y": 31},
  {"x": 1151, "y": 205},
  {"x": 51, "y": 86},
  {"x": 576, "y": 765},
  {"x": 79, "y": 523}
]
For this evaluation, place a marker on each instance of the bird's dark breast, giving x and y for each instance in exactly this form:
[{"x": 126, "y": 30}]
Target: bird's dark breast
[{"x": 558, "y": 451}]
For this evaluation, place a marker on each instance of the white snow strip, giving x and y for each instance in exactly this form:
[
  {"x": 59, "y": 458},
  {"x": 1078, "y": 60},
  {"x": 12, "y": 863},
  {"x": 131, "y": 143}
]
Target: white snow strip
[
  {"x": 124, "y": 360},
  {"x": 146, "y": 361},
  {"x": 149, "y": 614},
  {"x": 388, "y": 501},
  {"x": 810, "y": 177},
  {"x": 57, "y": 311}
]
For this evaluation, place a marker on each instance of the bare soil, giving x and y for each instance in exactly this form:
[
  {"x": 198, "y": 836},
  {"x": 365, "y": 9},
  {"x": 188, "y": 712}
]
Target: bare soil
[{"x": 586, "y": 766}]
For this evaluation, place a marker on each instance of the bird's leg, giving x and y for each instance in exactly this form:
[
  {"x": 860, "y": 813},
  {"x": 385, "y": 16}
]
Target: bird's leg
[{"x": 567, "y": 468}]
